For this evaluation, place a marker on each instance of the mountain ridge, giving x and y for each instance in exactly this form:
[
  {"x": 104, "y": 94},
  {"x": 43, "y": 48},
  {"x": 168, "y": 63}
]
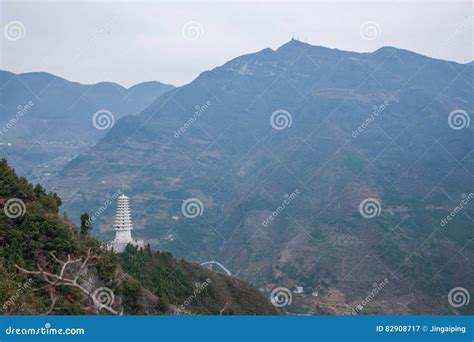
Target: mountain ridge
[
  {"x": 51, "y": 75},
  {"x": 240, "y": 164},
  {"x": 48, "y": 120}
]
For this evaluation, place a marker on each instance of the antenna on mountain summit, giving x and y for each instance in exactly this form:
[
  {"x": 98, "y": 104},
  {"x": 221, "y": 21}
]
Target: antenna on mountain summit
[{"x": 293, "y": 36}]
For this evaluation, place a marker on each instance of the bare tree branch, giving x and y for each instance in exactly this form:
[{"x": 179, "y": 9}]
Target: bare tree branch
[
  {"x": 68, "y": 276},
  {"x": 52, "y": 295},
  {"x": 223, "y": 309}
]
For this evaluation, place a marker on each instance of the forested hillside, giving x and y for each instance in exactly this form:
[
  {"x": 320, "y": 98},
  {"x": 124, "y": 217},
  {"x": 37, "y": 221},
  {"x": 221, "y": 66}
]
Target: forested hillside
[{"x": 50, "y": 266}]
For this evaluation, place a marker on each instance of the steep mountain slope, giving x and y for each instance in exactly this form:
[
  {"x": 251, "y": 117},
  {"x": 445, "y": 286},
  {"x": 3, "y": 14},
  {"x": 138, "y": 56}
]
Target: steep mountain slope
[
  {"x": 48, "y": 265},
  {"x": 46, "y": 120},
  {"x": 281, "y": 149}
]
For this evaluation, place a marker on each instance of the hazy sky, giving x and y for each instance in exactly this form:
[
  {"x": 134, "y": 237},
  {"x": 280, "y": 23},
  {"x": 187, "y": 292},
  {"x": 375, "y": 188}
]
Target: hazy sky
[{"x": 172, "y": 42}]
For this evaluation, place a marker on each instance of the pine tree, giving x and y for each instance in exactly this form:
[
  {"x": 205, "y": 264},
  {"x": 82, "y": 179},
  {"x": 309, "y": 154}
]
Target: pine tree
[{"x": 86, "y": 226}]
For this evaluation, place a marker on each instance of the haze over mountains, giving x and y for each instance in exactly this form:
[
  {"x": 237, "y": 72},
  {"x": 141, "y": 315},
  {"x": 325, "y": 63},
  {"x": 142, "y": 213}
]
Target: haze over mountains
[
  {"x": 47, "y": 120},
  {"x": 320, "y": 130}
]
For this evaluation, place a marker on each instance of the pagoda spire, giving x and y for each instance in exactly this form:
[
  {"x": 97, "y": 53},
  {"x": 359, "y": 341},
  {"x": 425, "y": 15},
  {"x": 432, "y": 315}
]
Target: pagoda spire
[
  {"x": 123, "y": 218},
  {"x": 123, "y": 227}
]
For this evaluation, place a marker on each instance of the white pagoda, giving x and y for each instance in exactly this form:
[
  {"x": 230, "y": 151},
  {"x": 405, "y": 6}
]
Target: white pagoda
[{"x": 123, "y": 228}]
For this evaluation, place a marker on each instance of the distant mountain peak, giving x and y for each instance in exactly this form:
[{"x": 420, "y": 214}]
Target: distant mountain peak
[
  {"x": 230, "y": 130},
  {"x": 392, "y": 49},
  {"x": 292, "y": 43}
]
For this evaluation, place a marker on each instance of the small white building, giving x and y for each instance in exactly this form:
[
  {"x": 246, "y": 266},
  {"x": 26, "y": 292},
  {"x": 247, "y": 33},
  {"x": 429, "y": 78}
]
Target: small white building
[
  {"x": 298, "y": 289},
  {"x": 123, "y": 228}
]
